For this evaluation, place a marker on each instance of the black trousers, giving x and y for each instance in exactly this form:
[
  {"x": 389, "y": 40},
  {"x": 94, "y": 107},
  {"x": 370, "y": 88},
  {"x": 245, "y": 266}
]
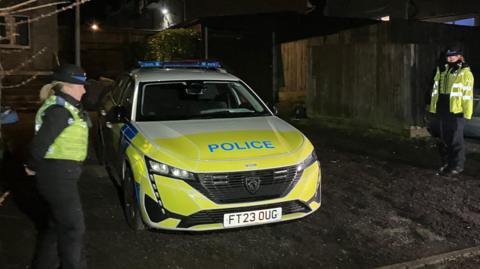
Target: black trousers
[
  {"x": 452, "y": 144},
  {"x": 61, "y": 243}
]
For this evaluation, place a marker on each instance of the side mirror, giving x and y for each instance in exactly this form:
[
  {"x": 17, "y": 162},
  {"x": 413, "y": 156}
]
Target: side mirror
[
  {"x": 273, "y": 108},
  {"x": 8, "y": 116}
]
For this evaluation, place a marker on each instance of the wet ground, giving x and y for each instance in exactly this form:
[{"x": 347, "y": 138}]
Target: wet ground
[{"x": 381, "y": 205}]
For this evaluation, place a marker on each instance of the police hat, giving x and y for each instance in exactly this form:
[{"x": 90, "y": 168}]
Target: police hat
[
  {"x": 453, "y": 52},
  {"x": 70, "y": 73}
]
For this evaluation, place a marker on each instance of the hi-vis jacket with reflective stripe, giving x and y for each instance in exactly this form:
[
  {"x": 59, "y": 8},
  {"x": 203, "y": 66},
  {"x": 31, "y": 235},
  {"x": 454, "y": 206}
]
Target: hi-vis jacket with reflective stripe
[
  {"x": 459, "y": 84},
  {"x": 72, "y": 142}
]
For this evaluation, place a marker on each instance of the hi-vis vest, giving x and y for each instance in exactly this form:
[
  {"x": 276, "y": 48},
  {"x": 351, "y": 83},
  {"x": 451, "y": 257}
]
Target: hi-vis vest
[
  {"x": 72, "y": 142},
  {"x": 459, "y": 85}
]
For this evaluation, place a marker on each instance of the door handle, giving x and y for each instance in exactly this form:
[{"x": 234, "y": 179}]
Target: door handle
[{"x": 109, "y": 125}]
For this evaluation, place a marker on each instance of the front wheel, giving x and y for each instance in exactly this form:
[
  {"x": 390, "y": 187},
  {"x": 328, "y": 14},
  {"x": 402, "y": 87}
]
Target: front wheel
[{"x": 130, "y": 203}]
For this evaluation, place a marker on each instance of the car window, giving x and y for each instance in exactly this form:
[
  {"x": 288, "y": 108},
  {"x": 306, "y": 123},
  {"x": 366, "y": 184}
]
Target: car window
[
  {"x": 118, "y": 88},
  {"x": 127, "y": 96},
  {"x": 197, "y": 100}
]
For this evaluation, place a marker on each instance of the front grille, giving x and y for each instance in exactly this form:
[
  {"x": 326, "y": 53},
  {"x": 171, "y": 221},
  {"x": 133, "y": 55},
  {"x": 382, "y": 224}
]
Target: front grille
[
  {"x": 224, "y": 188},
  {"x": 216, "y": 216}
]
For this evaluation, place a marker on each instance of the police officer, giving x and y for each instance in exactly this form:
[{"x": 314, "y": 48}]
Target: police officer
[
  {"x": 452, "y": 105},
  {"x": 57, "y": 151}
]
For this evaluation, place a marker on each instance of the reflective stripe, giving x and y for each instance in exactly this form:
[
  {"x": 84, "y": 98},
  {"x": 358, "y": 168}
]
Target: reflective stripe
[
  {"x": 435, "y": 92},
  {"x": 457, "y": 85},
  {"x": 467, "y": 88},
  {"x": 467, "y": 98},
  {"x": 452, "y": 94}
]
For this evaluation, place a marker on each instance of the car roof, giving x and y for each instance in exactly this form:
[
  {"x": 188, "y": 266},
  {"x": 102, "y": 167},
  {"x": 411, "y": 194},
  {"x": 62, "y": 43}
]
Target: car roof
[{"x": 176, "y": 74}]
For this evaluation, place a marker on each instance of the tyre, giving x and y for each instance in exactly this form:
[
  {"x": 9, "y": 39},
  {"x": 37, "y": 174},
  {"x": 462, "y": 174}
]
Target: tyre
[{"x": 130, "y": 203}]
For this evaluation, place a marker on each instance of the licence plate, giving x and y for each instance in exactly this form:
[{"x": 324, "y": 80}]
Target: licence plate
[{"x": 252, "y": 217}]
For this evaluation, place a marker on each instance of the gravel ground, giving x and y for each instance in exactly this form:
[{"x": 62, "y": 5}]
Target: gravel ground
[{"x": 381, "y": 205}]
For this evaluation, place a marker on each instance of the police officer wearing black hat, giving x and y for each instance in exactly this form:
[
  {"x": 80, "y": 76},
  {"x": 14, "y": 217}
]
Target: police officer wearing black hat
[
  {"x": 452, "y": 105},
  {"x": 57, "y": 152}
]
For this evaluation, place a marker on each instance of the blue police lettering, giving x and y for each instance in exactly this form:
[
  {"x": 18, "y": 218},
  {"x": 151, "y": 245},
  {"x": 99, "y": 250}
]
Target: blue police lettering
[
  {"x": 240, "y": 146},
  {"x": 212, "y": 147},
  {"x": 227, "y": 146},
  {"x": 255, "y": 144},
  {"x": 268, "y": 144}
]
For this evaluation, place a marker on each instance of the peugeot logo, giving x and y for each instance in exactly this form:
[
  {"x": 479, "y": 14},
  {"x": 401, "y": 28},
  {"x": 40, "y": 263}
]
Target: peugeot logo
[{"x": 252, "y": 184}]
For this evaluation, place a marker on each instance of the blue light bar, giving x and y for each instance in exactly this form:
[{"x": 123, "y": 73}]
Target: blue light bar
[
  {"x": 201, "y": 64},
  {"x": 145, "y": 64}
]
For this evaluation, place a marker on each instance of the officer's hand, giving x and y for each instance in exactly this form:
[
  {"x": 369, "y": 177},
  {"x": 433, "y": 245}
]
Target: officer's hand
[{"x": 29, "y": 172}]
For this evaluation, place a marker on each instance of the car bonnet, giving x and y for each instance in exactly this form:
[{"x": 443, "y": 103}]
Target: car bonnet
[{"x": 223, "y": 139}]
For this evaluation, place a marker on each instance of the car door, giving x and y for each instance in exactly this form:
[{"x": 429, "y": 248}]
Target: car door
[
  {"x": 472, "y": 127},
  {"x": 107, "y": 119},
  {"x": 119, "y": 138}
]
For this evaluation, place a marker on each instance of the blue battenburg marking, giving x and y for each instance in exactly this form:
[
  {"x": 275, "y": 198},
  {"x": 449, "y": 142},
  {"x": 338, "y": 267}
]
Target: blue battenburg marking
[
  {"x": 137, "y": 191},
  {"x": 128, "y": 133}
]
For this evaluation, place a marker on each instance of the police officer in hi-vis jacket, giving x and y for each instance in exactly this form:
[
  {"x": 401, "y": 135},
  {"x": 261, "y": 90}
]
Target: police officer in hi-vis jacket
[
  {"x": 452, "y": 105},
  {"x": 57, "y": 152}
]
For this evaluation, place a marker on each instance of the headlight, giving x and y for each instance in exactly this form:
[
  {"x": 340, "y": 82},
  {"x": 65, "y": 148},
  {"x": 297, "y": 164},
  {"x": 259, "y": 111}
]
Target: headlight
[
  {"x": 312, "y": 158},
  {"x": 162, "y": 169}
]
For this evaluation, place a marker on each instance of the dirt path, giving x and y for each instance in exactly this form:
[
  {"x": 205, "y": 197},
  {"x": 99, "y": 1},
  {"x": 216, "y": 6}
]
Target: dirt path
[{"x": 382, "y": 205}]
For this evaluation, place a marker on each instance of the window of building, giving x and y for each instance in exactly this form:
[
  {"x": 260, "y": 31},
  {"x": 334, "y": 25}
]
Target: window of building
[{"x": 14, "y": 32}]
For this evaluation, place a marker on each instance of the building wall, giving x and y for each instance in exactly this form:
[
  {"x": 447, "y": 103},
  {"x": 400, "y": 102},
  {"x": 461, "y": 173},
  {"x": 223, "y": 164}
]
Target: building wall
[
  {"x": 28, "y": 68},
  {"x": 43, "y": 34}
]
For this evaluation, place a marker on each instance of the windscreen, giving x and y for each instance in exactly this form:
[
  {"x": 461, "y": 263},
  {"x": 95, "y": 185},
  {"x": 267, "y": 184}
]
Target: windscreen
[{"x": 197, "y": 100}]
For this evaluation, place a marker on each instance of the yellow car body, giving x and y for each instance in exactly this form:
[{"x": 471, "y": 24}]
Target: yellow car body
[{"x": 215, "y": 173}]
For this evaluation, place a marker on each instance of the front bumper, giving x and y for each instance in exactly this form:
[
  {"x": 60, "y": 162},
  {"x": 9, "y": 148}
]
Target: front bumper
[{"x": 182, "y": 207}]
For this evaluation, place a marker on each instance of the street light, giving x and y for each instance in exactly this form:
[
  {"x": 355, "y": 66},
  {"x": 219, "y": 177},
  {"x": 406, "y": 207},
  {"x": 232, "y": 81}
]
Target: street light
[
  {"x": 166, "y": 16},
  {"x": 94, "y": 27},
  {"x": 166, "y": 12}
]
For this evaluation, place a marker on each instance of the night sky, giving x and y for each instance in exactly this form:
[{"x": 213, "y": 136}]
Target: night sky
[{"x": 97, "y": 10}]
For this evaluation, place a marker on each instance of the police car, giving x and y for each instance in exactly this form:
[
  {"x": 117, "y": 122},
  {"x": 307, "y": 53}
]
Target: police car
[
  {"x": 194, "y": 148},
  {"x": 472, "y": 127}
]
